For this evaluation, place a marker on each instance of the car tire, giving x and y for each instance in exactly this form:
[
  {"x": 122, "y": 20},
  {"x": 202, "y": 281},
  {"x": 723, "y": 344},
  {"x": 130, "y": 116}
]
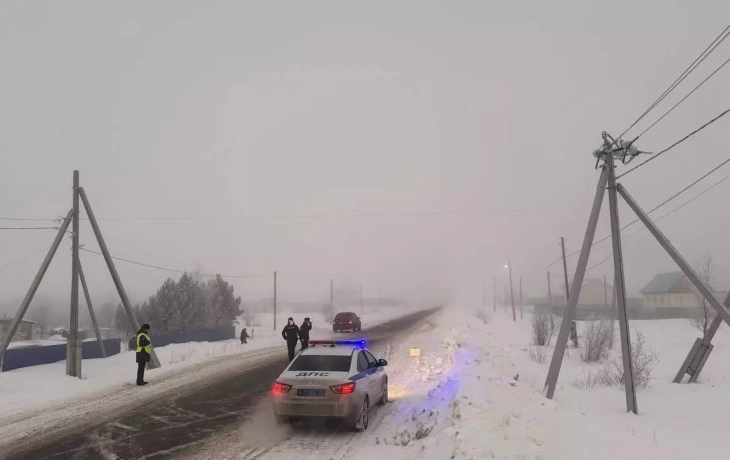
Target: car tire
[
  {"x": 363, "y": 418},
  {"x": 384, "y": 400}
]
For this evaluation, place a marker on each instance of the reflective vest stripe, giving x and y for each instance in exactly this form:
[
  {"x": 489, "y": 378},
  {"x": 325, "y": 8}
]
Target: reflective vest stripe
[{"x": 148, "y": 348}]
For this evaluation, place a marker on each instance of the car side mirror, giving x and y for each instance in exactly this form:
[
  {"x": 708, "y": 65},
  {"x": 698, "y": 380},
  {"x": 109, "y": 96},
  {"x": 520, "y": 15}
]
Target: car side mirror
[{"x": 382, "y": 362}]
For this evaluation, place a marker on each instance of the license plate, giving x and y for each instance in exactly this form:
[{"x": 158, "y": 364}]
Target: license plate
[{"x": 309, "y": 392}]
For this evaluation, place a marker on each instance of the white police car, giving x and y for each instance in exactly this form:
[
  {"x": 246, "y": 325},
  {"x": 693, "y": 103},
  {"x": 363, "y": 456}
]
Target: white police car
[{"x": 331, "y": 379}]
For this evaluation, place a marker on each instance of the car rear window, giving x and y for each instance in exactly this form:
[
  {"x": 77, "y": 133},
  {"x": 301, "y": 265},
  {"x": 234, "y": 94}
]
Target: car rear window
[
  {"x": 344, "y": 315},
  {"x": 326, "y": 363}
]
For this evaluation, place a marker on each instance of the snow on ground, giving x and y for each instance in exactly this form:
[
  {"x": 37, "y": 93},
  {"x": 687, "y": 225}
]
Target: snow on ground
[
  {"x": 29, "y": 387},
  {"x": 474, "y": 393}
]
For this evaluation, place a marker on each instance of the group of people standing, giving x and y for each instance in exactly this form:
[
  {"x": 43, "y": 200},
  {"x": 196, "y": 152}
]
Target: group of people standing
[{"x": 293, "y": 334}]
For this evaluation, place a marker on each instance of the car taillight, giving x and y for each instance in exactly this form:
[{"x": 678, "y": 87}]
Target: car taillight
[
  {"x": 349, "y": 322},
  {"x": 347, "y": 388},
  {"x": 281, "y": 388}
]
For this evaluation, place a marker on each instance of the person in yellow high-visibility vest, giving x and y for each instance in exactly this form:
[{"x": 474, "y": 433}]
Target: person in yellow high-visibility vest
[{"x": 144, "y": 352}]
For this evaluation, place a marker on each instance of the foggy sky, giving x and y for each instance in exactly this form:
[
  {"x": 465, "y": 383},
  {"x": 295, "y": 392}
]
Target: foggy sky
[{"x": 488, "y": 110}]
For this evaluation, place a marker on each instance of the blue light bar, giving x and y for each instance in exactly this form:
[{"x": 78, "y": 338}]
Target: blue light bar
[{"x": 332, "y": 343}]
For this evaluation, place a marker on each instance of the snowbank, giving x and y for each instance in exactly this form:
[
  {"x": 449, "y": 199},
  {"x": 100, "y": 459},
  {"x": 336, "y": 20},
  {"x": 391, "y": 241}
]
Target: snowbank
[
  {"x": 475, "y": 393},
  {"x": 36, "y": 386}
]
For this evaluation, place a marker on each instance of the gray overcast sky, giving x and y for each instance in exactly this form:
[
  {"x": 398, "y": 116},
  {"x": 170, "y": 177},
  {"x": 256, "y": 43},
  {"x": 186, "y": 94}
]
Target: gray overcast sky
[{"x": 179, "y": 108}]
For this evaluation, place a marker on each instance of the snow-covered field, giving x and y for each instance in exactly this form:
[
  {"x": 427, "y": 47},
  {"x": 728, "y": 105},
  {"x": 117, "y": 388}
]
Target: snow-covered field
[{"x": 474, "y": 393}]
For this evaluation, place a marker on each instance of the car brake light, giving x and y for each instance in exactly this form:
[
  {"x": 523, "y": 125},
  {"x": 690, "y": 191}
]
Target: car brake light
[
  {"x": 281, "y": 388},
  {"x": 349, "y": 322},
  {"x": 346, "y": 388}
]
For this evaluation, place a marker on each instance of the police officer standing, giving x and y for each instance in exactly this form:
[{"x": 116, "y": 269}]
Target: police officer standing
[
  {"x": 144, "y": 352},
  {"x": 304, "y": 332},
  {"x": 290, "y": 333}
]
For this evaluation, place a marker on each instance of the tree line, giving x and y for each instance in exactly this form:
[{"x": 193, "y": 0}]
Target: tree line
[{"x": 186, "y": 304}]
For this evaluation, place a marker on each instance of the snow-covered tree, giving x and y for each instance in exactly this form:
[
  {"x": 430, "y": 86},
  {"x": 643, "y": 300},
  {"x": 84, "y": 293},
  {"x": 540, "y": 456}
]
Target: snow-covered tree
[{"x": 222, "y": 307}]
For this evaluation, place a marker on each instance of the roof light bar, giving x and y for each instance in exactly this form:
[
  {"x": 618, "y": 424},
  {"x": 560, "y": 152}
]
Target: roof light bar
[{"x": 332, "y": 343}]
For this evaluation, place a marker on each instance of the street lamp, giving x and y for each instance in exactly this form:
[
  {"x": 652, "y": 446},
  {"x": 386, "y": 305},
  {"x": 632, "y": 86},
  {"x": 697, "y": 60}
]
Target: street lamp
[{"x": 511, "y": 291}]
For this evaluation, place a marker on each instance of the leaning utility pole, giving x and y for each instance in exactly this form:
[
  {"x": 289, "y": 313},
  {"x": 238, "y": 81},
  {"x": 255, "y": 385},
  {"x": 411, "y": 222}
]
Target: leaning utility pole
[
  {"x": 15, "y": 323},
  {"x": 565, "y": 270},
  {"x": 275, "y": 301},
  {"x": 154, "y": 361},
  {"x": 72, "y": 351}
]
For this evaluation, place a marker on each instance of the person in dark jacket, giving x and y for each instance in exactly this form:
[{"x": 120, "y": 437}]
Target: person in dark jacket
[
  {"x": 244, "y": 336},
  {"x": 304, "y": 333},
  {"x": 290, "y": 333},
  {"x": 144, "y": 352}
]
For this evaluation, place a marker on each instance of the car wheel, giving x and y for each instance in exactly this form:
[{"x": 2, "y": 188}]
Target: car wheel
[
  {"x": 282, "y": 420},
  {"x": 384, "y": 400},
  {"x": 363, "y": 419}
]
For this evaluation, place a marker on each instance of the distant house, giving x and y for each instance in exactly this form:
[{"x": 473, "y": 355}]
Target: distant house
[
  {"x": 672, "y": 290},
  {"x": 24, "y": 332}
]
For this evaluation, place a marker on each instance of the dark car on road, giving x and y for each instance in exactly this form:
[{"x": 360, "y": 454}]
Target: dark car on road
[{"x": 346, "y": 321}]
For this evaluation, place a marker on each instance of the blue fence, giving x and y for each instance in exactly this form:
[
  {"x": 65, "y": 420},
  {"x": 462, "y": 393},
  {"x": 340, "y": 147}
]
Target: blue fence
[
  {"x": 195, "y": 335},
  {"x": 16, "y": 358}
]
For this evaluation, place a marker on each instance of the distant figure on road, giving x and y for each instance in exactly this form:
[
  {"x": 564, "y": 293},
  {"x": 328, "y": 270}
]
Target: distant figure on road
[
  {"x": 144, "y": 352},
  {"x": 290, "y": 333},
  {"x": 304, "y": 332},
  {"x": 244, "y": 336}
]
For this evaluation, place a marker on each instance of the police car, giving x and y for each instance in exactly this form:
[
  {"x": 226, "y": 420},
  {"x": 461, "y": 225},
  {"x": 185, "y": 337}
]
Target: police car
[{"x": 331, "y": 379}]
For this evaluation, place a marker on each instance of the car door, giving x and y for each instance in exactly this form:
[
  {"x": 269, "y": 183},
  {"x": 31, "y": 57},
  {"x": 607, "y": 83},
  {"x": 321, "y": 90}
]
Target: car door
[
  {"x": 376, "y": 374},
  {"x": 363, "y": 368}
]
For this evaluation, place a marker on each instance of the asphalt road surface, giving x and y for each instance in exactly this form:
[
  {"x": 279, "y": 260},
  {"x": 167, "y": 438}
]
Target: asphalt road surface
[{"x": 175, "y": 422}]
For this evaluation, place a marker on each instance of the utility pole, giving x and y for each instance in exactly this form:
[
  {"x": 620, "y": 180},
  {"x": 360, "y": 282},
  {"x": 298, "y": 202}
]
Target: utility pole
[
  {"x": 511, "y": 292},
  {"x": 494, "y": 293},
  {"x": 332, "y": 298},
  {"x": 521, "y": 316},
  {"x": 550, "y": 293},
  {"x": 504, "y": 301},
  {"x": 275, "y": 302},
  {"x": 565, "y": 270},
  {"x": 72, "y": 362}
]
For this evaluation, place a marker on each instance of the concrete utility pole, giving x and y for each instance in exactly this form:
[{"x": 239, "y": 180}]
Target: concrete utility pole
[
  {"x": 87, "y": 296},
  {"x": 10, "y": 333},
  {"x": 275, "y": 301},
  {"x": 154, "y": 361},
  {"x": 332, "y": 297},
  {"x": 550, "y": 293},
  {"x": 511, "y": 292},
  {"x": 619, "y": 281},
  {"x": 565, "y": 270},
  {"x": 72, "y": 363}
]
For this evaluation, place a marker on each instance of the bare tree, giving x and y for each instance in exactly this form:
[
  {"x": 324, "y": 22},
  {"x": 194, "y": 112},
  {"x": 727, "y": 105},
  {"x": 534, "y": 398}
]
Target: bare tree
[
  {"x": 41, "y": 315},
  {"x": 704, "y": 314}
]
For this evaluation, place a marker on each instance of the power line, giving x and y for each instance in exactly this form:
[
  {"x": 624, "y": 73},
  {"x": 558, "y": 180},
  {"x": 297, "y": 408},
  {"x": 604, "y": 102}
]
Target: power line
[
  {"x": 655, "y": 208},
  {"x": 29, "y": 219},
  {"x": 157, "y": 267},
  {"x": 319, "y": 216},
  {"x": 26, "y": 257},
  {"x": 707, "y": 51},
  {"x": 29, "y": 228},
  {"x": 654, "y": 157},
  {"x": 683, "y": 99},
  {"x": 666, "y": 215}
]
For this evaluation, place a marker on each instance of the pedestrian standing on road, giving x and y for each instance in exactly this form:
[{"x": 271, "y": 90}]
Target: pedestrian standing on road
[
  {"x": 304, "y": 332},
  {"x": 144, "y": 352},
  {"x": 290, "y": 333},
  {"x": 244, "y": 336}
]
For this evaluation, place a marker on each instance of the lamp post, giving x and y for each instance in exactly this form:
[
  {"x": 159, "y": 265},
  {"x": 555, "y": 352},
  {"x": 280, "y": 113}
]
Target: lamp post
[{"x": 511, "y": 291}]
